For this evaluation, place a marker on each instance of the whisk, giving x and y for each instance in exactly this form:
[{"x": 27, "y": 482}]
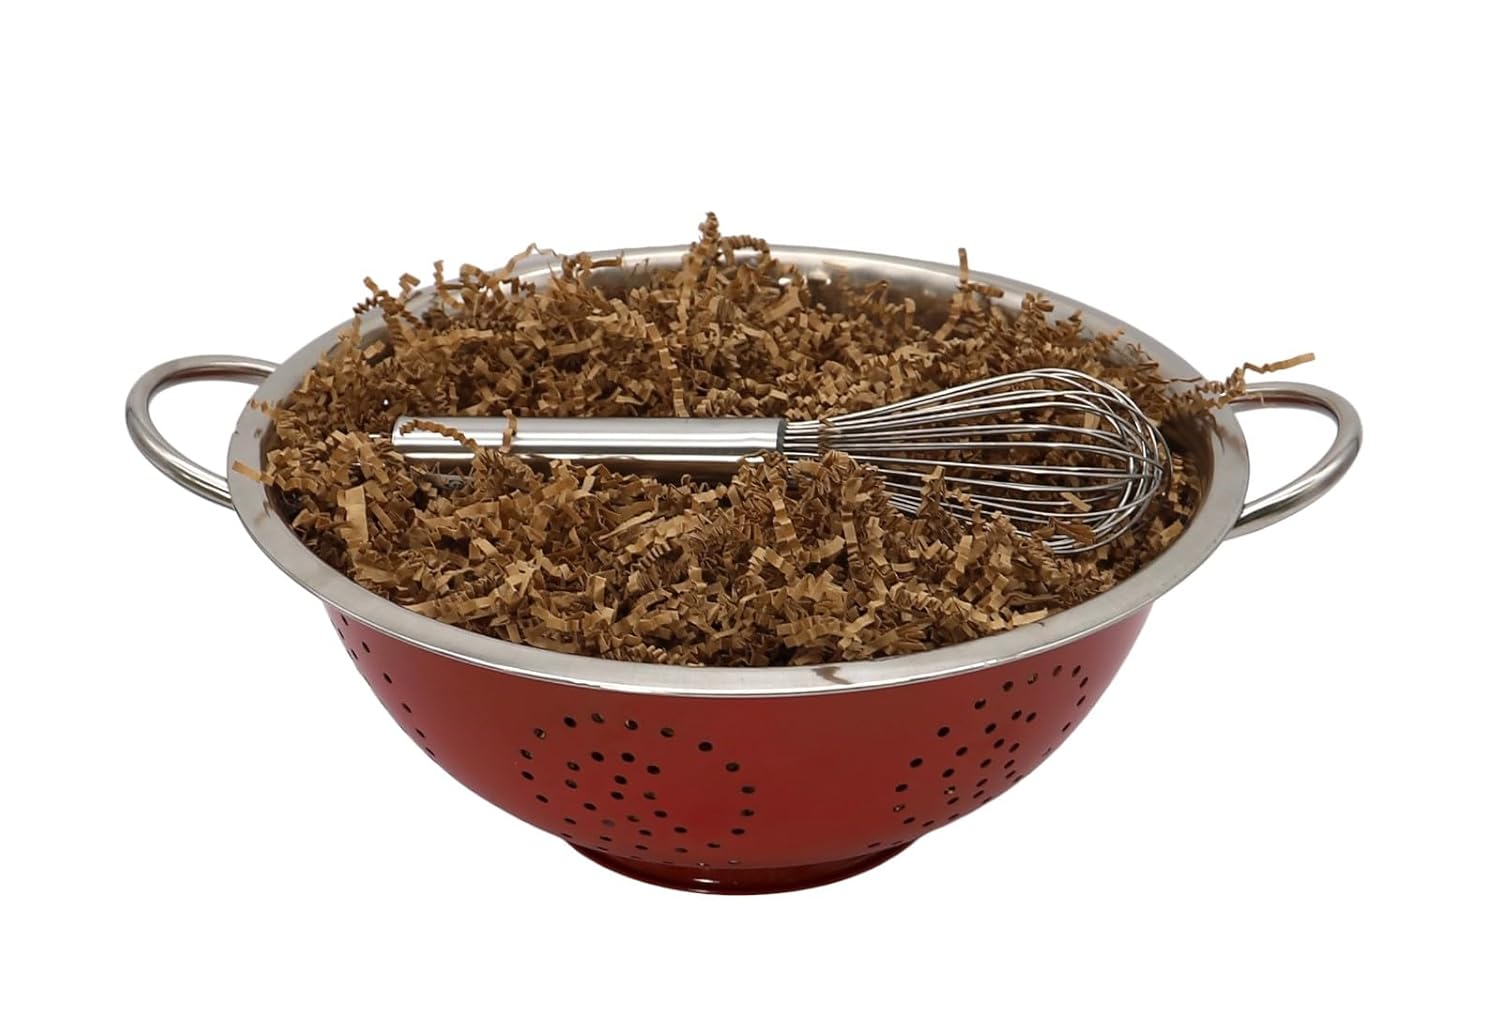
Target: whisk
[{"x": 1064, "y": 456}]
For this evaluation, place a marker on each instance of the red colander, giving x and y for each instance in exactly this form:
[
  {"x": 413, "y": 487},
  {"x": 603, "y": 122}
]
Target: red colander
[{"x": 760, "y": 779}]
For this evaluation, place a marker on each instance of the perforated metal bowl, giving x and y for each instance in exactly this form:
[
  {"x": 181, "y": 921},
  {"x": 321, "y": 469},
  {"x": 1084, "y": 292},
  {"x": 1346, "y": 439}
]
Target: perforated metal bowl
[{"x": 760, "y": 779}]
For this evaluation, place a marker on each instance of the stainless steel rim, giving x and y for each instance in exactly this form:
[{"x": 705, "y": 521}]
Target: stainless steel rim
[{"x": 1218, "y": 513}]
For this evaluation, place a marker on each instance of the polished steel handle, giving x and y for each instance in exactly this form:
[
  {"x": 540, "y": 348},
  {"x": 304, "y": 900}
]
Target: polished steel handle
[
  {"x": 699, "y": 446},
  {"x": 1317, "y": 480},
  {"x": 170, "y": 461}
]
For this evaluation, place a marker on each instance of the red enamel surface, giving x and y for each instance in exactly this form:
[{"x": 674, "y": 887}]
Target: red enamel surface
[{"x": 739, "y": 794}]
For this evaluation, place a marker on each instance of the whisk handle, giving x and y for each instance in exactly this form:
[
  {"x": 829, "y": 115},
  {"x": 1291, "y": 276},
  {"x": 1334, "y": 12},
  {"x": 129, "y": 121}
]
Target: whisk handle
[
  {"x": 698, "y": 446},
  {"x": 1321, "y": 477}
]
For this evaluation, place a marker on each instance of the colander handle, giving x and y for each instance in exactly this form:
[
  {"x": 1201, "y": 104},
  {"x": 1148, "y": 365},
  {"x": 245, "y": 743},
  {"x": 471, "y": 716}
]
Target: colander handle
[
  {"x": 170, "y": 461},
  {"x": 1320, "y": 478}
]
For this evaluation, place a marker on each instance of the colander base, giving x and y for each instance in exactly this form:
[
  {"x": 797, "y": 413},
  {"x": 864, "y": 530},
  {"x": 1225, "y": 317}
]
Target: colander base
[{"x": 742, "y": 881}]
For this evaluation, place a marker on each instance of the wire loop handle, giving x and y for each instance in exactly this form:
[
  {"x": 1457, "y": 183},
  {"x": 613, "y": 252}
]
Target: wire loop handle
[
  {"x": 170, "y": 461},
  {"x": 1320, "y": 478}
]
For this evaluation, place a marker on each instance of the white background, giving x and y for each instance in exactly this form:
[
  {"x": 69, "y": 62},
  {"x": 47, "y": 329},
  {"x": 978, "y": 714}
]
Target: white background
[{"x": 1282, "y": 813}]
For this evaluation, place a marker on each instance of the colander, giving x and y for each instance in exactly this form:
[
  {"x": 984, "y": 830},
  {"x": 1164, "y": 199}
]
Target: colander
[{"x": 746, "y": 780}]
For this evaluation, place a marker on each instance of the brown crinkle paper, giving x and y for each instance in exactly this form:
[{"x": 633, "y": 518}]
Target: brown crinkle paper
[{"x": 789, "y": 562}]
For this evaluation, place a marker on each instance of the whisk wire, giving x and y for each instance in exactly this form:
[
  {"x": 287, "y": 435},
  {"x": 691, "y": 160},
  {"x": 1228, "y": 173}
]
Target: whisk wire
[{"x": 1028, "y": 413}]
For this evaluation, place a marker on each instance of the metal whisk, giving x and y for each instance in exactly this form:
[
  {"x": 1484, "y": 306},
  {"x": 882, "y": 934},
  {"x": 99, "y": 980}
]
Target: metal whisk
[{"x": 1052, "y": 449}]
